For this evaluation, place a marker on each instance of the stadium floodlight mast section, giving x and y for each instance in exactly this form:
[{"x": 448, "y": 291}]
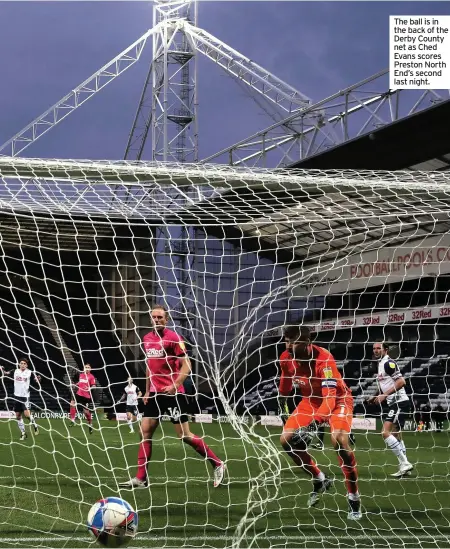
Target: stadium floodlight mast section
[
  {"x": 168, "y": 110},
  {"x": 75, "y": 98},
  {"x": 168, "y": 105},
  {"x": 347, "y": 114},
  {"x": 247, "y": 71},
  {"x": 171, "y": 110}
]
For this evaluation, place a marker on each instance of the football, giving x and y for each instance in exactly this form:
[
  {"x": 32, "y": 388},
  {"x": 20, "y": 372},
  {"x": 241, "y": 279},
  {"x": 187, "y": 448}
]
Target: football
[{"x": 112, "y": 522}]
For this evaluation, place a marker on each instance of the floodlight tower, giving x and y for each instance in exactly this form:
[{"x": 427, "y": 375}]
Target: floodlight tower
[
  {"x": 167, "y": 111},
  {"x": 168, "y": 105}
]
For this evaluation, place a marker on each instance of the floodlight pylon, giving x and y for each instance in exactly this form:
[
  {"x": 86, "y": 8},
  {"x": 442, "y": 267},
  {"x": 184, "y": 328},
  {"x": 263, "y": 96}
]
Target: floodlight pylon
[
  {"x": 169, "y": 102},
  {"x": 167, "y": 108}
]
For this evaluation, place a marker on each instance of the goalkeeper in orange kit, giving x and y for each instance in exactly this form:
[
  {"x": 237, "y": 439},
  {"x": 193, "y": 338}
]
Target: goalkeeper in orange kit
[{"x": 325, "y": 398}]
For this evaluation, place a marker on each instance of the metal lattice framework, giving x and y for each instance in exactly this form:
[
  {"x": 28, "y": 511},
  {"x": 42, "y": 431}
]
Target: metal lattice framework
[
  {"x": 168, "y": 107},
  {"x": 75, "y": 98},
  {"x": 347, "y": 114},
  {"x": 169, "y": 112}
]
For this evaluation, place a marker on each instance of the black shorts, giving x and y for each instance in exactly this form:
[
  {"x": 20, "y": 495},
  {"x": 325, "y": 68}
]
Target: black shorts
[
  {"x": 132, "y": 410},
  {"x": 21, "y": 404},
  {"x": 174, "y": 406},
  {"x": 84, "y": 403},
  {"x": 398, "y": 413}
]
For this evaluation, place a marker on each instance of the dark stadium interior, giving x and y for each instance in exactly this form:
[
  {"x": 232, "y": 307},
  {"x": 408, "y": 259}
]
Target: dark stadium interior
[
  {"x": 397, "y": 295},
  {"x": 69, "y": 284}
]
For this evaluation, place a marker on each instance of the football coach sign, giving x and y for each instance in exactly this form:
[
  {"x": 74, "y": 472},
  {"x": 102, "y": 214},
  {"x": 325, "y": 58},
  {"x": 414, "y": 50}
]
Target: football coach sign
[{"x": 425, "y": 257}]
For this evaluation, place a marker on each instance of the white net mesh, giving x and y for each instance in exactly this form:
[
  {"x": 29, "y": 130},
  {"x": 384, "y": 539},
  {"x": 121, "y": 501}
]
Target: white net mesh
[{"x": 88, "y": 247}]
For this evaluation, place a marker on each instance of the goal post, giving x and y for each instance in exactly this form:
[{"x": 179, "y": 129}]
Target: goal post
[{"x": 236, "y": 255}]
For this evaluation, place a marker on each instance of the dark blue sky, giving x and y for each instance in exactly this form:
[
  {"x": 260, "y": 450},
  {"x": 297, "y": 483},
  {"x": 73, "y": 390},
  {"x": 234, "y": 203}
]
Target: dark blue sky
[{"x": 50, "y": 47}]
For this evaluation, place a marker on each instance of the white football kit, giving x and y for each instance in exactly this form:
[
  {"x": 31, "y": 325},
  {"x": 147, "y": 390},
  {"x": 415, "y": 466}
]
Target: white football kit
[
  {"x": 388, "y": 373},
  {"x": 22, "y": 383},
  {"x": 132, "y": 395}
]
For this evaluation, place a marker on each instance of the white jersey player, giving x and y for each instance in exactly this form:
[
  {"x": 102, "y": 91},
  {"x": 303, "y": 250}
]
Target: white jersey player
[
  {"x": 22, "y": 378},
  {"x": 131, "y": 393},
  {"x": 391, "y": 385}
]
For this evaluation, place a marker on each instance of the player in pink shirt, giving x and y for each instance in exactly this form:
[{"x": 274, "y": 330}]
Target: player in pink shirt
[
  {"x": 83, "y": 397},
  {"x": 167, "y": 368}
]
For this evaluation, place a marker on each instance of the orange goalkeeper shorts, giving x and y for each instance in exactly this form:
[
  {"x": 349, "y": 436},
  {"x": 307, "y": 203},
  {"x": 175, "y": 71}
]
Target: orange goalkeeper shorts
[{"x": 339, "y": 420}]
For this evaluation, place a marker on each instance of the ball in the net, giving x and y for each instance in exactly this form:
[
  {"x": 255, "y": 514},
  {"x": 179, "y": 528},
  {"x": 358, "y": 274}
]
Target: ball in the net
[{"x": 112, "y": 522}]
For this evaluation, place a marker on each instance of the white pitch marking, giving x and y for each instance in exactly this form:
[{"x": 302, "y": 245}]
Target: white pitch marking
[{"x": 228, "y": 538}]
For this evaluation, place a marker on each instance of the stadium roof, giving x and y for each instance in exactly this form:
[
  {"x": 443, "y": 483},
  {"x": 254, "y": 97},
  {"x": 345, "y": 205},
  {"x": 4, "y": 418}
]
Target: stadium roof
[{"x": 418, "y": 142}]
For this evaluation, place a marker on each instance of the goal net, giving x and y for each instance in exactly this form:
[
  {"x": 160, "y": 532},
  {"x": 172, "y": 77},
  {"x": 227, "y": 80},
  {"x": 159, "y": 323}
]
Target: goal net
[{"x": 87, "y": 248}]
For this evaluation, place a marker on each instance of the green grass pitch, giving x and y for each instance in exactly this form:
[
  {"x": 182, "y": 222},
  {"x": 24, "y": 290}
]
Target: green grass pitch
[{"x": 49, "y": 482}]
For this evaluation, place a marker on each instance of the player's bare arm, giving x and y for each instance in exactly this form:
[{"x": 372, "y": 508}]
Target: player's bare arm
[{"x": 372, "y": 399}]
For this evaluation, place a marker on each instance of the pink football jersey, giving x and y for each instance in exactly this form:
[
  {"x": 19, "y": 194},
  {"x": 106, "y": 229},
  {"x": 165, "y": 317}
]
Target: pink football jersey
[
  {"x": 162, "y": 351},
  {"x": 84, "y": 385}
]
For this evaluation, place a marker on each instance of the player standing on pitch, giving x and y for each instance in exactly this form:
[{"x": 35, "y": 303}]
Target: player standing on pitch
[
  {"x": 83, "y": 397},
  {"x": 391, "y": 385},
  {"x": 131, "y": 393},
  {"x": 167, "y": 368},
  {"x": 326, "y": 398},
  {"x": 22, "y": 378}
]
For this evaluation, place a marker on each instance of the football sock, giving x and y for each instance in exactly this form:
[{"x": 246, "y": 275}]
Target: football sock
[
  {"x": 347, "y": 463},
  {"x": 73, "y": 413},
  {"x": 396, "y": 446},
  {"x": 403, "y": 447},
  {"x": 203, "y": 449},
  {"x": 144, "y": 455},
  {"x": 304, "y": 460}
]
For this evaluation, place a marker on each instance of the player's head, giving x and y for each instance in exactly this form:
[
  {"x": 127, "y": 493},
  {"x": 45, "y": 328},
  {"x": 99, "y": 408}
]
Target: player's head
[
  {"x": 23, "y": 364},
  {"x": 87, "y": 368},
  {"x": 130, "y": 381},
  {"x": 380, "y": 349},
  {"x": 160, "y": 317},
  {"x": 298, "y": 341}
]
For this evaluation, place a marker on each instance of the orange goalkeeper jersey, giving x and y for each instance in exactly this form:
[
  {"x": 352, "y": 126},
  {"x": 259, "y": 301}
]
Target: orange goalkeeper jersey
[{"x": 317, "y": 379}]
